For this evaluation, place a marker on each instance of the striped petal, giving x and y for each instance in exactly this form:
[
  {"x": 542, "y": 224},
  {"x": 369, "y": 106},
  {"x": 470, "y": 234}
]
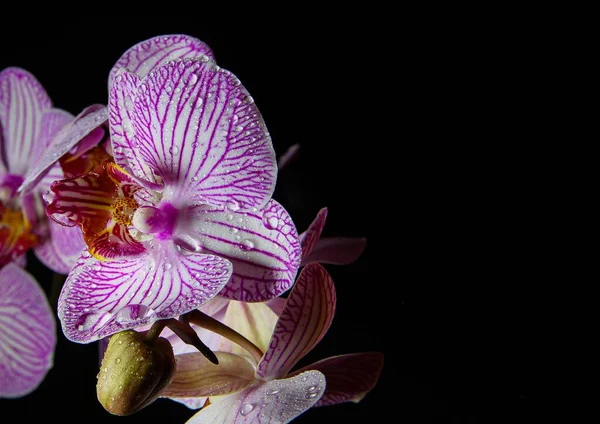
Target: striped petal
[
  {"x": 309, "y": 238},
  {"x": 196, "y": 376},
  {"x": 61, "y": 250},
  {"x": 306, "y": 317},
  {"x": 27, "y": 333},
  {"x": 262, "y": 245},
  {"x": 349, "y": 377},
  {"x": 273, "y": 402},
  {"x": 84, "y": 130},
  {"x": 336, "y": 251},
  {"x": 102, "y": 298},
  {"x": 197, "y": 127},
  {"x": 22, "y": 101},
  {"x": 148, "y": 55}
]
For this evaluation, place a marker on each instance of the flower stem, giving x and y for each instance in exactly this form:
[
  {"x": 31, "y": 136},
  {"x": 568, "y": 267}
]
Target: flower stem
[
  {"x": 154, "y": 332},
  {"x": 209, "y": 323},
  {"x": 189, "y": 336}
]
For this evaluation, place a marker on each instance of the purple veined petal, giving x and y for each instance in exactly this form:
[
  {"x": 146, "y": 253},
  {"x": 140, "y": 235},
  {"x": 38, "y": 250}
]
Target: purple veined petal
[
  {"x": 262, "y": 245},
  {"x": 255, "y": 321},
  {"x": 195, "y": 125},
  {"x": 51, "y": 122},
  {"x": 27, "y": 333},
  {"x": 150, "y": 54},
  {"x": 349, "y": 377},
  {"x": 124, "y": 143},
  {"x": 336, "y": 250},
  {"x": 276, "y": 305},
  {"x": 83, "y": 132},
  {"x": 102, "y": 298},
  {"x": 309, "y": 238},
  {"x": 196, "y": 376},
  {"x": 305, "y": 319},
  {"x": 62, "y": 249},
  {"x": 273, "y": 402},
  {"x": 22, "y": 101},
  {"x": 289, "y": 156}
]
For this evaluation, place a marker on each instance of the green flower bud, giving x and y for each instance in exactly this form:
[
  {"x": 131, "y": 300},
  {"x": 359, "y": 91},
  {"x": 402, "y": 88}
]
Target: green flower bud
[{"x": 134, "y": 373}]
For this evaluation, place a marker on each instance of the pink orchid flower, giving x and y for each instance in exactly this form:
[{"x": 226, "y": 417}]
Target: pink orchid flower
[
  {"x": 28, "y": 124},
  {"x": 27, "y": 333},
  {"x": 184, "y": 212},
  {"x": 242, "y": 390}
]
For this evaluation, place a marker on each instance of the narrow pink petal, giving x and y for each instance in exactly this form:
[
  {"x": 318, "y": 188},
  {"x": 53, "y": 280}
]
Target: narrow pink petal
[
  {"x": 27, "y": 333},
  {"x": 62, "y": 249},
  {"x": 289, "y": 156},
  {"x": 22, "y": 101},
  {"x": 197, "y": 127},
  {"x": 306, "y": 317},
  {"x": 349, "y": 377},
  {"x": 309, "y": 238},
  {"x": 262, "y": 245},
  {"x": 102, "y": 298},
  {"x": 196, "y": 376},
  {"x": 83, "y": 130},
  {"x": 273, "y": 402},
  {"x": 336, "y": 250},
  {"x": 148, "y": 55}
]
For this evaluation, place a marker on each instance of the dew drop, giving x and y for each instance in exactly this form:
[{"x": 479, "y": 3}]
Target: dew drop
[
  {"x": 312, "y": 389},
  {"x": 229, "y": 217},
  {"x": 194, "y": 178},
  {"x": 246, "y": 409},
  {"x": 311, "y": 395},
  {"x": 272, "y": 392},
  {"x": 233, "y": 230},
  {"x": 232, "y": 205},
  {"x": 118, "y": 360},
  {"x": 192, "y": 79},
  {"x": 169, "y": 88},
  {"x": 167, "y": 266},
  {"x": 174, "y": 150},
  {"x": 248, "y": 244}
]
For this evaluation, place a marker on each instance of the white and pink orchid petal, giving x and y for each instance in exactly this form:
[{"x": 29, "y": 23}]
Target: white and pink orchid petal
[
  {"x": 150, "y": 54},
  {"x": 192, "y": 403},
  {"x": 309, "y": 238},
  {"x": 27, "y": 333},
  {"x": 61, "y": 250},
  {"x": 349, "y": 377},
  {"x": 124, "y": 143},
  {"x": 199, "y": 129},
  {"x": 273, "y": 402},
  {"x": 102, "y": 298},
  {"x": 262, "y": 245},
  {"x": 336, "y": 250},
  {"x": 83, "y": 132},
  {"x": 196, "y": 376},
  {"x": 22, "y": 101},
  {"x": 51, "y": 122},
  {"x": 289, "y": 156},
  {"x": 306, "y": 317},
  {"x": 255, "y": 321}
]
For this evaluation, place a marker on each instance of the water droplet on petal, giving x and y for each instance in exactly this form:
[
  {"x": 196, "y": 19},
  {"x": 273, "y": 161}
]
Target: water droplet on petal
[
  {"x": 311, "y": 395},
  {"x": 246, "y": 409},
  {"x": 167, "y": 266},
  {"x": 272, "y": 392},
  {"x": 174, "y": 150},
  {"x": 248, "y": 244},
  {"x": 312, "y": 389},
  {"x": 232, "y": 205}
]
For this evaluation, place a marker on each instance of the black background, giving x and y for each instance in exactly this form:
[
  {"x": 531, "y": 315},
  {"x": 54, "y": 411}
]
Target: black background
[{"x": 422, "y": 292}]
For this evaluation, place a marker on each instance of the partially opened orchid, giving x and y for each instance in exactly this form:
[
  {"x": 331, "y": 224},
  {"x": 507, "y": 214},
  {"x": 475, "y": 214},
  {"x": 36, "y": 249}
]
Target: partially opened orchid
[
  {"x": 184, "y": 211},
  {"x": 243, "y": 390},
  {"x": 27, "y": 333},
  {"x": 28, "y": 124}
]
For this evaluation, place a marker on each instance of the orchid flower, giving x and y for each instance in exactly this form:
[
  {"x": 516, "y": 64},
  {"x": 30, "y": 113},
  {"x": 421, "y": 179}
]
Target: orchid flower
[
  {"x": 185, "y": 211},
  {"x": 27, "y": 333},
  {"x": 244, "y": 391},
  {"x": 28, "y": 124}
]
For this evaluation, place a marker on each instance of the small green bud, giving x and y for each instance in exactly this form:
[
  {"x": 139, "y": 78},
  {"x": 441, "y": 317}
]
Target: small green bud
[{"x": 134, "y": 373}]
